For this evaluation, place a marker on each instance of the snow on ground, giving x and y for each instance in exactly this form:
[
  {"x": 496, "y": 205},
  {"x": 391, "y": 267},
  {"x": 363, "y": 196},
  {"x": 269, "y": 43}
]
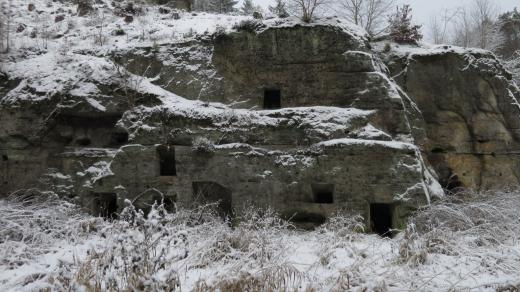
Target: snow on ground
[
  {"x": 463, "y": 244},
  {"x": 103, "y": 31}
]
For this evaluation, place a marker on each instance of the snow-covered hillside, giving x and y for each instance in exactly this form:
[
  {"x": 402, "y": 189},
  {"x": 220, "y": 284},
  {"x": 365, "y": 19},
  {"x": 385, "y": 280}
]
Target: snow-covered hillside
[
  {"x": 69, "y": 86},
  {"x": 468, "y": 245}
]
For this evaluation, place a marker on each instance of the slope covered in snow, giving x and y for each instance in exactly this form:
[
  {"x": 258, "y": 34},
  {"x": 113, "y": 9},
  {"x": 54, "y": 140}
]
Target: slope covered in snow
[{"x": 445, "y": 247}]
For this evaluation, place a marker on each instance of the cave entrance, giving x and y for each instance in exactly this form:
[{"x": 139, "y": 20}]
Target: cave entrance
[
  {"x": 105, "y": 205},
  {"x": 323, "y": 193},
  {"x": 167, "y": 160},
  {"x": 306, "y": 220},
  {"x": 381, "y": 217},
  {"x": 212, "y": 193},
  {"x": 272, "y": 99}
]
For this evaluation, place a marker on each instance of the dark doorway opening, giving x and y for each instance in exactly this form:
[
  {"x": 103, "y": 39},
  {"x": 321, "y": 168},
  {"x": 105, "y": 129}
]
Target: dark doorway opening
[
  {"x": 381, "y": 219},
  {"x": 167, "y": 160},
  {"x": 5, "y": 158},
  {"x": 306, "y": 220},
  {"x": 272, "y": 99},
  {"x": 323, "y": 193},
  {"x": 211, "y": 192},
  {"x": 105, "y": 205}
]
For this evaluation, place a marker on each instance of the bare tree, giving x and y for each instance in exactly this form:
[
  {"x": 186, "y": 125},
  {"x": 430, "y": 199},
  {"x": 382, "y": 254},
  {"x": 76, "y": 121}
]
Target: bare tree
[
  {"x": 439, "y": 27},
  {"x": 222, "y": 6},
  {"x": 279, "y": 9},
  {"x": 307, "y": 8},
  {"x": 463, "y": 28},
  {"x": 513, "y": 65},
  {"x": 475, "y": 26},
  {"x": 483, "y": 13},
  {"x": 5, "y": 25},
  {"x": 370, "y": 14}
]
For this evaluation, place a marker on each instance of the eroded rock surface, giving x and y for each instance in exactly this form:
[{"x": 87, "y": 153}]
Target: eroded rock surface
[
  {"x": 469, "y": 104},
  {"x": 303, "y": 118}
]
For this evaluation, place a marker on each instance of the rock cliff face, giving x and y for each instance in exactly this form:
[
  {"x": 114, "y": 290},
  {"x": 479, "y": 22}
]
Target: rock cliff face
[
  {"x": 305, "y": 119},
  {"x": 470, "y": 108}
]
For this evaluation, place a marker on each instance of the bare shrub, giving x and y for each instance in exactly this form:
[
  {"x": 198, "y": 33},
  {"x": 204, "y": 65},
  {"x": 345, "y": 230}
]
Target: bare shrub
[
  {"x": 277, "y": 278},
  {"x": 5, "y": 25},
  {"x": 343, "y": 224},
  {"x": 307, "y": 8},
  {"x": 411, "y": 249},
  {"x": 469, "y": 225},
  {"x": 141, "y": 247},
  {"x": 369, "y": 14},
  {"x": 249, "y": 25},
  {"x": 513, "y": 66},
  {"x": 32, "y": 220},
  {"x": 203, "y": 145}
]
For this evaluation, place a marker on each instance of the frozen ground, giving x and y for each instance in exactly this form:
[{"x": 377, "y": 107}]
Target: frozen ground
[{"x": 465, "y": 244}]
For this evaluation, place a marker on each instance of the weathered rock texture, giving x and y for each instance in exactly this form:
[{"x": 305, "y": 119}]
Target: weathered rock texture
[
  {"x": 471, "y": 112},
  {"x": 346, "y": 135}
]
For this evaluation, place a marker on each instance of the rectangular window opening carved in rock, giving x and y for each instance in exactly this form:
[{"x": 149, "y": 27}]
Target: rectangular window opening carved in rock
[
  {"x": 272, "y": 99},
  {"x": 323, "y": 193},
  {"x": 206, "y": 192},
  {"x": 105, "y": 205},
  {"x": 167, "y": 160}
]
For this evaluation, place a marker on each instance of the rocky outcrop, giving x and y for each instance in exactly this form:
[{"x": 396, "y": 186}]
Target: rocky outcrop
[
  {"x": 307, "y": 129},
  {"x": 470, "y": 108}
]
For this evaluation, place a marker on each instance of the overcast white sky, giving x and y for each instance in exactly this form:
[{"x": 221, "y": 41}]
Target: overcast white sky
[{"x": 424, "y": 9}]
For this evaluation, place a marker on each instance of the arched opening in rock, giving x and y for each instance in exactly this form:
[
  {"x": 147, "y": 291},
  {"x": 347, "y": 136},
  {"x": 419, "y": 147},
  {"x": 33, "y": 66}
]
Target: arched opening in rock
[
  {"x": 167, "y": 160},
  {"x": 152, "y": 197},
  {"x": 205, "y": 192},
  {"x": 323, "y": 193},
  {"x": 306, "y": 220},
  {"x": 272, "y": 99},
  {"x": 453, "y": 184},
  {"x": 105, "y": 205},
  {"x": 381, "y": 219}
]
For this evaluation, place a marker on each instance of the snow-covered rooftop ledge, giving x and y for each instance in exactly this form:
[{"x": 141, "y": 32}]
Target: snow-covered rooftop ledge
[
  {"x": 426, "y": 49},
  {"x": 332, "y": 21},
  {"x": 89, "y": 152},
  {"x": 367, "y": 144}
]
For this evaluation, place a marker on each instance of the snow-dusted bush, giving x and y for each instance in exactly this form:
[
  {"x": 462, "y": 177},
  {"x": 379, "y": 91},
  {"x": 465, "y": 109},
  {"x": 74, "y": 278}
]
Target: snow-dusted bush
[
  {"x": 32, "y": 221},
  {"x": 282, "y": 277},
  {"x": 455, "y": 244},
  {"x": 307, "y": 9},
  {"x": 249, "y": 25},
  {"x": 513, "y": 65},
  {"x": 138, "y": 251},
  {"x": 148, "y": 252},
  {"x": 467, "y": 225},
  {"x": 5, "y": 25},
  {"x": 344, "y": 226},
  {"x": 203, "y": 145},
  {"x": 401, "y": 28}
]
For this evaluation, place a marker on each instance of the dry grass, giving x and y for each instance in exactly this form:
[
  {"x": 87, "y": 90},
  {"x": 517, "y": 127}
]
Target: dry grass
[
  {"x": 163, "y": 251},
  {"x": 28, "y": 229}
]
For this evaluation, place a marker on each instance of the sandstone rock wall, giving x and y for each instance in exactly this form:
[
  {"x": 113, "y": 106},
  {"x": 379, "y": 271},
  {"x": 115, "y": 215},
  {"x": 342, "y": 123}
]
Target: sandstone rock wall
[
  {"x": 347, "y": 136},
  {"x": 471, "y": 112}
]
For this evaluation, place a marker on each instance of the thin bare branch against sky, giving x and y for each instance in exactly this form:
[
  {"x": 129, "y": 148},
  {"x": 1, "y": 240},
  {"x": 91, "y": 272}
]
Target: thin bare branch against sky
[{"x": 424, "y": 9}]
